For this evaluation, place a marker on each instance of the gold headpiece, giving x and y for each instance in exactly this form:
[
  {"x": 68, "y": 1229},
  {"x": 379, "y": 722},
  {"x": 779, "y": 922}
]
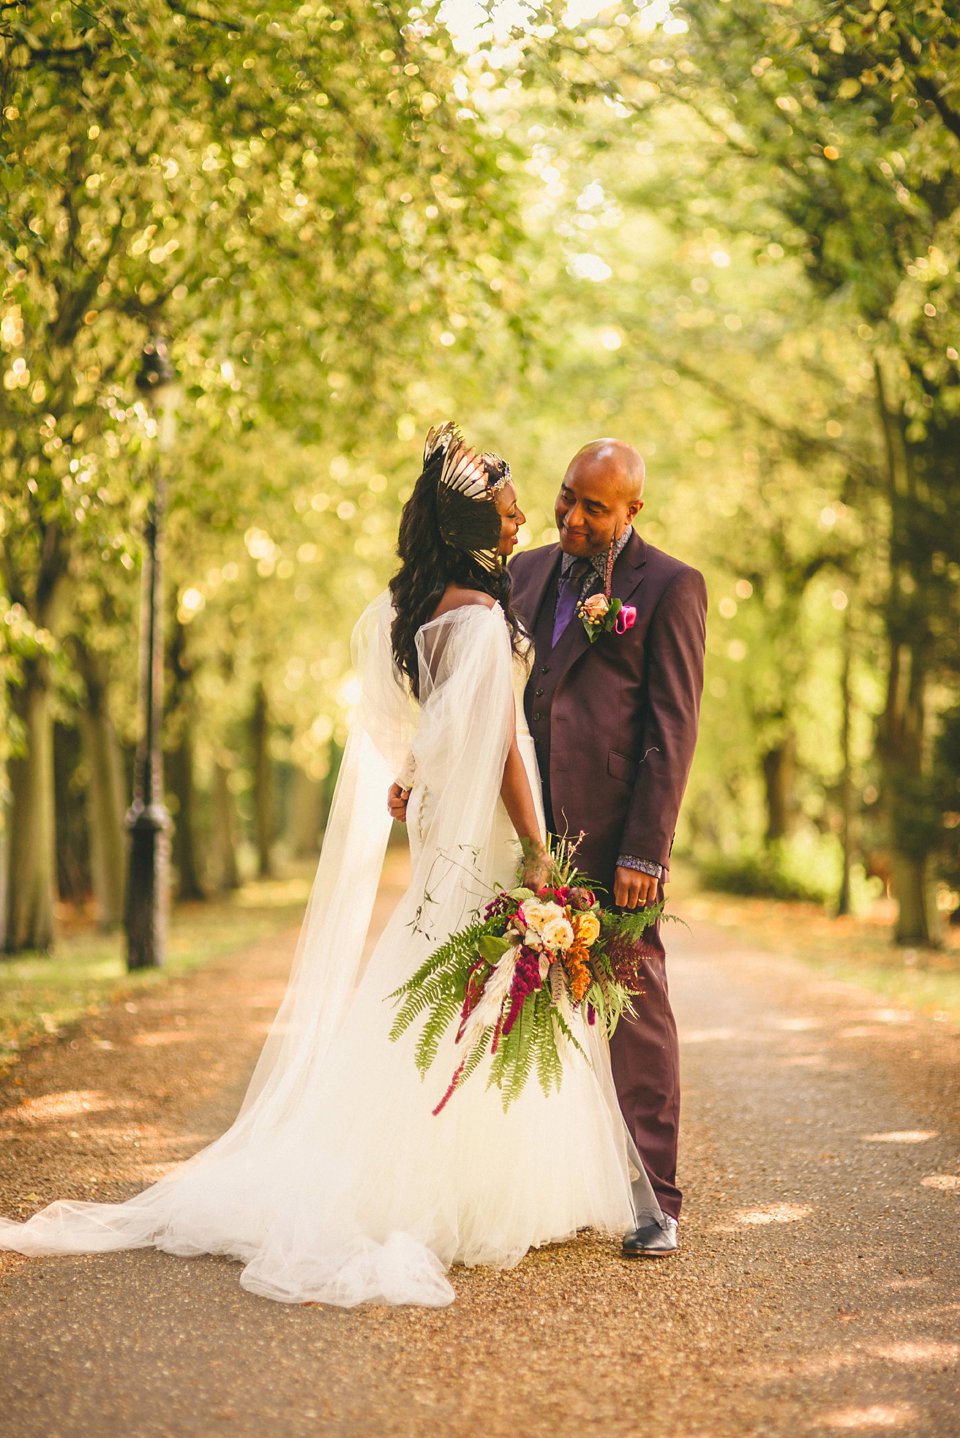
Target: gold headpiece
[{"x": 466, "y": 512}]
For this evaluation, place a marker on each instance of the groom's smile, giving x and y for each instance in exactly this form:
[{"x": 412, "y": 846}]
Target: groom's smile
[{"x": 599, "y": 496}]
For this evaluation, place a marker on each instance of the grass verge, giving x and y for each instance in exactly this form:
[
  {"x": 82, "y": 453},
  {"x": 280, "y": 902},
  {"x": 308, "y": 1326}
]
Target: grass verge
[
  {"x": 41, "y": 995},
  {"x": 853, "y": 950}
]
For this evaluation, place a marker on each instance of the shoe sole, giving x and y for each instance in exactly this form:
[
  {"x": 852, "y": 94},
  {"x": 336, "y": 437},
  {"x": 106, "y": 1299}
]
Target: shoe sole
[{"x": 649, "y": 1253}]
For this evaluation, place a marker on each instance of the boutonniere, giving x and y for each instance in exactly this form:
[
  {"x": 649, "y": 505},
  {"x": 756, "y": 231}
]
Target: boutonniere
[{"x": 602, "y": 615}]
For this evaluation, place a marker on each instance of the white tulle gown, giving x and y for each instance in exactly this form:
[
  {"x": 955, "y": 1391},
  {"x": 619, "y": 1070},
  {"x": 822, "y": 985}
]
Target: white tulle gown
[{"x": 335, "y": 1183}]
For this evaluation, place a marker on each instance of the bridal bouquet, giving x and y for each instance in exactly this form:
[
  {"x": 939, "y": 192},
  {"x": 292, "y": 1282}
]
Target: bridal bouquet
[{"x": 514, "y": 979}]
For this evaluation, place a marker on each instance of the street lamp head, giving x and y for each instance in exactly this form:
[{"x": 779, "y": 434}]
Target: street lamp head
[
  {"x": 157, "y": 381},
  {"x": 156, "y": 372}
]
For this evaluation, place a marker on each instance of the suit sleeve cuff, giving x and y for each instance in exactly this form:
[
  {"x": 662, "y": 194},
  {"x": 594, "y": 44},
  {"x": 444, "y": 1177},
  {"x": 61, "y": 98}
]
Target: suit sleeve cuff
[{"x": 644, "y": 866}]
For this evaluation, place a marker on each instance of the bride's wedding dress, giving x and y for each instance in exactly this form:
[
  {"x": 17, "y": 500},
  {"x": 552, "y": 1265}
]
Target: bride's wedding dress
[{"x": 336, "y": 1183}]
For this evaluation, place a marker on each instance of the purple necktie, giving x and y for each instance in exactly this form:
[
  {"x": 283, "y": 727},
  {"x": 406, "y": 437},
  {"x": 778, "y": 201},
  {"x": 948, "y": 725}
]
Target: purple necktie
[{"x": 570, "y": 586}]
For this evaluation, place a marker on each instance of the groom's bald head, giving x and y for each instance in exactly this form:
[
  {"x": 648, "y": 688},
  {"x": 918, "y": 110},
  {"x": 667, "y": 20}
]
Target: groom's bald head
[
  {"x": 601, "y": 493},
  {"x": 616, "y": 459}
]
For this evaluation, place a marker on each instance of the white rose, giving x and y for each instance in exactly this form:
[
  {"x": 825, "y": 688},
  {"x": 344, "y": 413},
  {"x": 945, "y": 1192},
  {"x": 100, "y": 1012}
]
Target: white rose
[
  {"x": 530, "y": 913},
  {"x": 537, "y": 914},
  {"x": 558, "y": 932}
]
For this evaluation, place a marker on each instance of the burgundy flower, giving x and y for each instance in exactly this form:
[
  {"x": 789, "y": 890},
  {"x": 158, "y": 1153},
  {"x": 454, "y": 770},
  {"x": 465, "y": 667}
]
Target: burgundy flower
[
  {"x": 475, "y": 985},
  {"x": 500, "y": 904},
  {"x": 526, "y": 978},
  {"x": 626, "y": 956}
]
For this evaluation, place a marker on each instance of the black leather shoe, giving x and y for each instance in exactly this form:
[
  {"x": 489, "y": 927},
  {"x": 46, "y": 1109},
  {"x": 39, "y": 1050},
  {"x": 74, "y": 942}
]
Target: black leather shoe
[{"x": 651, "y": 1241}]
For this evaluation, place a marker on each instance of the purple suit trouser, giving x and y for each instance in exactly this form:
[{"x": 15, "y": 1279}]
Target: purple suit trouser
[{"x": 645, "y": 1059}]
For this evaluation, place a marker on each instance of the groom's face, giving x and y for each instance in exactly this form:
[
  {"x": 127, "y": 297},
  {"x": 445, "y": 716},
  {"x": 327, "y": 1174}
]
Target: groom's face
[{"x": 594, "y": 506}]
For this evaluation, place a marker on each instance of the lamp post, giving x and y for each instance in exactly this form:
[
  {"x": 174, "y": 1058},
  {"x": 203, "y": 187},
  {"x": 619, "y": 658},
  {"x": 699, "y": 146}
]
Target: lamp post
[{"x": 148, "y": 822}]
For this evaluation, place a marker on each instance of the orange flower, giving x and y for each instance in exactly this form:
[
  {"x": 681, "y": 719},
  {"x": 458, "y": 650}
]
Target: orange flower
[
  {"x": 578, "y": 971},
  {"x": 587, "y": 928}
]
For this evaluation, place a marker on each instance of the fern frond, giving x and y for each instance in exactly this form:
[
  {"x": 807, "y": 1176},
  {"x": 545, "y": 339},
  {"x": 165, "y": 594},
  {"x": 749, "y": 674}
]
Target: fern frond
[
  {"x": 478, "y": 1055},
  {"x": 456, "y": 948},
  {"x": 549, "y": 1062},
  {"x": 441, "y": 1016}
]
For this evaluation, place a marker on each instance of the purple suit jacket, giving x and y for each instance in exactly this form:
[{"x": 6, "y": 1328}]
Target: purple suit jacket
[{"x": 615, "y": 722}]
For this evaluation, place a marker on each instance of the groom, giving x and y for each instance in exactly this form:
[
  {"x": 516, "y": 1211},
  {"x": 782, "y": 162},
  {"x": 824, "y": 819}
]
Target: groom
[{"x": 615, "y": 726}]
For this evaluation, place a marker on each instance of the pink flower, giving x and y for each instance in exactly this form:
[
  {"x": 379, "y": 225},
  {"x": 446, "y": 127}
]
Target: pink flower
[{"x": 626, "y": 619}]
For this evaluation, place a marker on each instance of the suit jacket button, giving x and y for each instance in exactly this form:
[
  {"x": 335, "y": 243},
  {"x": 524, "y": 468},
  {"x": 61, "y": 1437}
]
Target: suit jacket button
[
  {"x": 537, "y": 718},
  {"x": 544, "y": 668},
  {"x": 538, "y": 692}
]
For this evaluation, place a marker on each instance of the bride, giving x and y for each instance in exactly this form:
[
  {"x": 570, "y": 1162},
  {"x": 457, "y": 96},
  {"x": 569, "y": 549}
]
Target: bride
[{"x": 335, "y": 1183}]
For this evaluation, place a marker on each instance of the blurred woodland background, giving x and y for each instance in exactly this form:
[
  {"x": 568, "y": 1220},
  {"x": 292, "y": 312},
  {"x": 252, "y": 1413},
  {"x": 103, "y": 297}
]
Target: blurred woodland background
[{"x": 726, "y": 232}]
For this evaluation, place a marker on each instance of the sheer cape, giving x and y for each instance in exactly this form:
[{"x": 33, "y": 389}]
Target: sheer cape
[{"x": 335, "y": 1182}]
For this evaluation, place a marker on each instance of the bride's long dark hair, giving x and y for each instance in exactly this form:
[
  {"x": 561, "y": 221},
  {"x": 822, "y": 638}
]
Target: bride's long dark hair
[{"x": 429, "y": 564}]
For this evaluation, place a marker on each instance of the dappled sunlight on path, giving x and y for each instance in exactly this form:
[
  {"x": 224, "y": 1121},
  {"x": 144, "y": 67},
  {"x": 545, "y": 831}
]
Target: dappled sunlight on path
[
  {"x": 815, "y": 1292},
  {"x": 814, "y": 1138}
]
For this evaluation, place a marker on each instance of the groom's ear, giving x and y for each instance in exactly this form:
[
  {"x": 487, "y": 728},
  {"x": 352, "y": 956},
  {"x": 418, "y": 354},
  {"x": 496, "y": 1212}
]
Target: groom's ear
[{"x": 634, "y": 508}]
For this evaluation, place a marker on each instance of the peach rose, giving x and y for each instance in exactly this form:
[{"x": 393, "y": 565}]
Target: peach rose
[
  {"x": 587, "y": 927},
  {"x": 596, "y": 606}
]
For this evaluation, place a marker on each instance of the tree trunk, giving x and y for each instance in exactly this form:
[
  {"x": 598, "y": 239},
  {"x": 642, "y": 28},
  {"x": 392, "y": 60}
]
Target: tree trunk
[
  {"x": 846, "y": 777},
  {"x": 902, "y": 741},
  {"x": 74, "y": 883},
  {"x": 185, "y": 853},
  {"x": 180, "y": 765},
  {"x": 902, "y": 754},
  {"x": 4, "y": 846},
  {"x": 31, "y": 867},
  {"x": 262, "y": 782},
  {"x": 306, "y": 815},
  {"x": 106, "y": 798},
  {"x": 779, "y": 777},
  {"x": 224, "y": 828},
  {"x": 918, "y": 919},
  {"x": 334, "y": 760}
]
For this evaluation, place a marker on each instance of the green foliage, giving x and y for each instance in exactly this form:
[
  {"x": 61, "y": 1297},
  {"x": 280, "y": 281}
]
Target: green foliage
[
  {"x": 289, "y": 195},
  {"x": 443, "y": 971},
  {"x": 42, "y": 995},
  {"x": 730, "y": 235},
  {"x": 515, "y": 1058},
  {"x": 798, "y": 868},
  {"x": 799, "y": 167},
  {"x": 765, "y": 873}
]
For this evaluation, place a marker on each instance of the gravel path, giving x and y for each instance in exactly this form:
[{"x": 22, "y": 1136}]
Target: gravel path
[{"x": 816, "y": 1291}]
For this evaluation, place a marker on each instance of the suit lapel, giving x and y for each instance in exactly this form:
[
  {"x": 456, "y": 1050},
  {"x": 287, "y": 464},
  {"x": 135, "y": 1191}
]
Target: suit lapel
[
  {"x": 627, "y": 578},
  {"x": 628, "y": 570}
]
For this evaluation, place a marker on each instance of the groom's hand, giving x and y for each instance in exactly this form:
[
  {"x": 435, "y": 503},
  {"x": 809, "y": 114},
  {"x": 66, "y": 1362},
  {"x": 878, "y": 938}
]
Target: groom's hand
[
  {"x": 633, "y": 889},
  {"x": 397, "y": 803}
]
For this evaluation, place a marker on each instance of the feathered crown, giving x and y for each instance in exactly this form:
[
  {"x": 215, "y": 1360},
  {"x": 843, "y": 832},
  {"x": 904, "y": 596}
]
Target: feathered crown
[{"x": 466, "y": 513}]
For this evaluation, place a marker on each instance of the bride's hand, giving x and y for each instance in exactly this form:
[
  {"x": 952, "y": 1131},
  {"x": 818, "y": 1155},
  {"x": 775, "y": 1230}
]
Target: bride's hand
[
  {"x": 397, "y": 799},
  {"x": 537, "y": 865}
]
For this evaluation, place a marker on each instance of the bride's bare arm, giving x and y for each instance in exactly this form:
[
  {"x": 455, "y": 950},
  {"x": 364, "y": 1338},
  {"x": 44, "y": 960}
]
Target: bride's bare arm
[{"x": 517, "y": 799}]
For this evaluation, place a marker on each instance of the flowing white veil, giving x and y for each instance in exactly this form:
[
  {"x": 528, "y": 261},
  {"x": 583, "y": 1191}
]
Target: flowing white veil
[{"x": 324, "y": 972}]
